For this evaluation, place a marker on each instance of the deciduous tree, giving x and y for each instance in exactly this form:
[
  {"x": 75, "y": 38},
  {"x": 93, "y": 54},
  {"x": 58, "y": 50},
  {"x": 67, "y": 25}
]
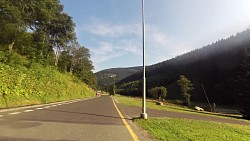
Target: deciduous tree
[{"x": 158, "y": 92}]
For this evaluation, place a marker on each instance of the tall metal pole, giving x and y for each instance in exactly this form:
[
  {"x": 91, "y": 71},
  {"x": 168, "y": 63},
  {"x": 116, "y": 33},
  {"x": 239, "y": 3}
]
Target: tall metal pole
[
  {"x": 143, "y": 114},
  {"x": 114, "y": 85}
]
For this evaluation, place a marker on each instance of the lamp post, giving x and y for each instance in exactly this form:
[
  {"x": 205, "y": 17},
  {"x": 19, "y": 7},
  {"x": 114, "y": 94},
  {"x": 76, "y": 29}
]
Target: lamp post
[
  {"x": 113, "y": 83},
  {"x": 143, "y": 114}
]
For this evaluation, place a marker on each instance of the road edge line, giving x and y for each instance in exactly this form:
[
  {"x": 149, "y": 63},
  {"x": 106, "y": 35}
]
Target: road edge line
[
  {"x": 132, "y": 133},
  {"x": 39, "y": 105}
]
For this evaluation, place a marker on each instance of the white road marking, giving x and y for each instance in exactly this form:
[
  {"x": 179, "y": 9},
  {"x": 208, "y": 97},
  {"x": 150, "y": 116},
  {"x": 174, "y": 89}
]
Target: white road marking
[
  {"x": 39, "y": 108},
  {"x": 26, "y": 111},
  {"x": 15, "y": 113},
  {"x": 1, "y": 115},
  {"x": 47, "y": 107}
]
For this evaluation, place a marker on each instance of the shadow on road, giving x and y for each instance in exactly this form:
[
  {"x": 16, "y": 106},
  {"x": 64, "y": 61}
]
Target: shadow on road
[{"x": 90, "y": 114}]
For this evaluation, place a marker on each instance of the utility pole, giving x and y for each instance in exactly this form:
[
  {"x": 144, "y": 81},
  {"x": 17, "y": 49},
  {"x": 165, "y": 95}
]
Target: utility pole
[
  {"x": 206, "y": 97},
  {"x": 143, "y": 114}
]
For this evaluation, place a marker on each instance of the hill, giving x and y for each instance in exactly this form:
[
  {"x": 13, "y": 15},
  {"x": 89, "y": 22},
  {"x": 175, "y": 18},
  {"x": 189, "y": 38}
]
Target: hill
[
  {"x": 37, "y": 84},
  {"x": 104, "y": 77},
  {"x": 215, "y": 66}
]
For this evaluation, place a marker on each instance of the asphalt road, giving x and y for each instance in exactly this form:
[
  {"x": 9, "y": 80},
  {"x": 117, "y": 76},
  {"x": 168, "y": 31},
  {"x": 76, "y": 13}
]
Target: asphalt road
[{"x": 92, "y": 119}]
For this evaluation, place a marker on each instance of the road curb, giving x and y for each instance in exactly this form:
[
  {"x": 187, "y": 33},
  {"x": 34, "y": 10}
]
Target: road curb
[{"x": 35, "y": 106}]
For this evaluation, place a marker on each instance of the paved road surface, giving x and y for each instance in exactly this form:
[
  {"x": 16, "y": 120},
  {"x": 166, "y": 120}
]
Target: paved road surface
[{"x": 93, "y": 119}]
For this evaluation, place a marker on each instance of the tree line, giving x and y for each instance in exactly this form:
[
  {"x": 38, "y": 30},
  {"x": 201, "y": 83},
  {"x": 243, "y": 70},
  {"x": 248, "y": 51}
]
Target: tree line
[{"x": 41, "y": 32}]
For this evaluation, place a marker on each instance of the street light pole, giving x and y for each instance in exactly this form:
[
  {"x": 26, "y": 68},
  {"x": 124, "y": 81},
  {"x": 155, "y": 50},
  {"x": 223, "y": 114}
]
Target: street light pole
[
  {"x": 143, "y": 114},
  {"x": 113, "y": 83}
]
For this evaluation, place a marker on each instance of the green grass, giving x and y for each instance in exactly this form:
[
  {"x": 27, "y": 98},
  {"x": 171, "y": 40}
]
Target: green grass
[
  {"x": 130, "y": 101},
  {"x": 191, "y": 130},
  {"x": 150, "y": 104}
]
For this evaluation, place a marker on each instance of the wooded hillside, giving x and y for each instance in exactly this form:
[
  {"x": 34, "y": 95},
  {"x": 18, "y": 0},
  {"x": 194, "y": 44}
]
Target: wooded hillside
[
  {"x": 104, "y": 77},
  {"x": 216, "y": 66}
]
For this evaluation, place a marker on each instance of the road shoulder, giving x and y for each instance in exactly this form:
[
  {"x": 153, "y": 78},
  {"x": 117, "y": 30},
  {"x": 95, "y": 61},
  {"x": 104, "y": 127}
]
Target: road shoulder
[{"x": 141, "y": 133}]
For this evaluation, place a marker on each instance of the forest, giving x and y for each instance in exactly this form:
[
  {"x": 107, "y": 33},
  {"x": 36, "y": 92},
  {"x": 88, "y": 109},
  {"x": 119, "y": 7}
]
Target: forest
[
  {"x": 104, "y": 77},
  {"x": 222, "y": 68},
  {"x": 39, "y": 50}
]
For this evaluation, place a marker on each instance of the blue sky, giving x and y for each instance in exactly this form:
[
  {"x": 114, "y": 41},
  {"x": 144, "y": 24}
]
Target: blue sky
[{"x": 111, "y": 29}]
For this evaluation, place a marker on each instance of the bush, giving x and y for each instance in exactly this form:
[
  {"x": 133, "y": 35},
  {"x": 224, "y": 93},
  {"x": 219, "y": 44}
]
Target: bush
[
  {"x": 3, "y": 57},
  {"x": 159, "y": 93}
]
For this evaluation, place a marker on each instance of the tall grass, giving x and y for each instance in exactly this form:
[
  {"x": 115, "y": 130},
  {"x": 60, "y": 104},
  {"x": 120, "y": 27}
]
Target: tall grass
[{"x": 20, "y": 86}]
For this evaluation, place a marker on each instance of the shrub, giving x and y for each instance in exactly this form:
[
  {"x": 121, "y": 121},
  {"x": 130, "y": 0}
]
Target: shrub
[{"x": 159, "y": 93}]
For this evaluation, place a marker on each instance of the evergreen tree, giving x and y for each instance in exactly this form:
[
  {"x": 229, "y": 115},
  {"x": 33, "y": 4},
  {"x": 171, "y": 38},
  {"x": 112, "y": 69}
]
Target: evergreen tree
[
  {"x": 185, "y": 88},
  {"x": 243, "y": 85}
]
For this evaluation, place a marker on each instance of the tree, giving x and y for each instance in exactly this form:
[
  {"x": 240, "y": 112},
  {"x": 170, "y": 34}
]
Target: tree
[
  {"x": 185, "y": 88},
  {"x": 41, "y": 31},
  {"x": 158, "y": 92},
  {"x": 243, "y": 85},
  {"x": 62, "y": 32},
  {"x": 45, "y": 20},
  {"x": 81, "y": 65},
  {"x": 64, "y": 62},
  {"x": 12, "y": 24}
]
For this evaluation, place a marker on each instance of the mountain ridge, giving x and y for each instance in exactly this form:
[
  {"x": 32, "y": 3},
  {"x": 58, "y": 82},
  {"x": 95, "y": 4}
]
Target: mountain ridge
[{"x": 215, "y": 66}]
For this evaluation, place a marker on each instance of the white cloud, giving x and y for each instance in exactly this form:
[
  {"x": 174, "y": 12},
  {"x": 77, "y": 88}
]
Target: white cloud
[
  {"x": 112, "y": 30},
  {"x": 105, "y": 51},
  {"x": 112, "y": 40},
  {"x": 160, "y": 38},
  {"x": 105, "y": 30},
  {"x": 129, "y": 45},
  {"x": 116, "y": 40},
  {"x": 156, "y": 37}
]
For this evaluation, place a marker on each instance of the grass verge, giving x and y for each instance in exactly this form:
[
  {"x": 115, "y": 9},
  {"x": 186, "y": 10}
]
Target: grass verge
[
  {"x": 187, "y": 130},
  {"x": 130, "y": 101}
]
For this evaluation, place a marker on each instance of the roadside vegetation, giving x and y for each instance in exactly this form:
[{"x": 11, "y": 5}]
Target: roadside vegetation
[
  {"x": 41, "y": 60},
  {"x": 159, "y": 93},
  {"x": 20, "y": 86},
  {"x": 185, "y": 130},
  {"x": 172, "y": 106}
]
